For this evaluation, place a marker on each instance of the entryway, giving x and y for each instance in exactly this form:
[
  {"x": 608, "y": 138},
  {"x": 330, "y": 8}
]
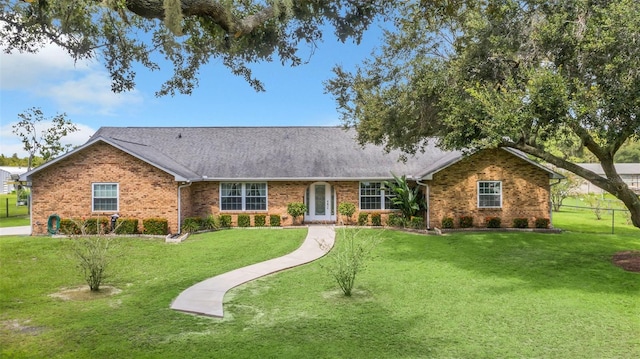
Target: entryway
[{"x": 321, "y": 203}]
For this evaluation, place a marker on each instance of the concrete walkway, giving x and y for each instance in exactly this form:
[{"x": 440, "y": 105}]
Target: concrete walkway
[
  {"x": 206, "y": 297},
  {"x": 15, "y": 231}
]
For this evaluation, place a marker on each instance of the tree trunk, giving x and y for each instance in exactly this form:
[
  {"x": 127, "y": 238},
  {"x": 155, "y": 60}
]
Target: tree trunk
[{"x": 612, "y": 183}]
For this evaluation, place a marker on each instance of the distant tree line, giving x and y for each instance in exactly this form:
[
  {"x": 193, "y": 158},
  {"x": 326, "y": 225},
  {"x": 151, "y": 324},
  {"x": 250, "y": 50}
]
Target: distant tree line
[{"x": 15, "y": 161}]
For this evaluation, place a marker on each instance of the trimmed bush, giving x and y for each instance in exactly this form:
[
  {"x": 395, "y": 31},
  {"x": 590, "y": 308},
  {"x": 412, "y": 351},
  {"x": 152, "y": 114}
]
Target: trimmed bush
[
  {"x": 416, "y": 222},
  {"x": 296, "y": 209},
  {"x": 225, "y": 220},
  {"x": 542, "y": 223},
  {"x": 520, "y": 222},
  {"x": 274, "y": 220},
  {"x": 466, "y": 222},
  {"x": 447, "y": 222},
  {"x": 259, "y": 220},
  {"x": 347, "y": 209},
  {"x": 363, "y": 219},
  {"x": 376, "y": 219},
  {"x": 395, "y": 220},
  {"x": 493, "y": 222},
  {"x": 244, "y": 220},
  {"x": 126, "y": 226},
  {"x": 69, "y": 227},
  {"x": 99, "y": 225},
  {"x": 155, "y": 226}
]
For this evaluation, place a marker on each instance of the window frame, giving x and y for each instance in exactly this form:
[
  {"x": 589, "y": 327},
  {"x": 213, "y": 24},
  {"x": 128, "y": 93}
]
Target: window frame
[
  {"x": 480, "y": 195},
  {"x": 244, "y": 196},
  {"x": 93, "y": 196},
  {"x": 385, "y": 198}
]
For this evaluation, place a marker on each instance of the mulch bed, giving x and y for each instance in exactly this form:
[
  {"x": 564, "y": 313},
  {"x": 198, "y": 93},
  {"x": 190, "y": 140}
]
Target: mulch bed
[{"x": 627, "y": 260}]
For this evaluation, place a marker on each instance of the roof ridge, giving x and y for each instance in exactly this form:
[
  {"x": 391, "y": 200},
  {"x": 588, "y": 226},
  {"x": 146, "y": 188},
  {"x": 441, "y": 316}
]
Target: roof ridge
[{"x": 127, "y": 141}]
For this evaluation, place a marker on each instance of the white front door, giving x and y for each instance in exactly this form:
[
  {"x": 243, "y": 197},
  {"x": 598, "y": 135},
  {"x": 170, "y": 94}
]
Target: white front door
[{"x": 321, "y": 202}]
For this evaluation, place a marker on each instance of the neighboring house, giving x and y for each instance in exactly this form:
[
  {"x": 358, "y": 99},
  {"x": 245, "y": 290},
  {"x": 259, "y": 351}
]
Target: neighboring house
[
  {"x": 175, "y": 173},
  {"x": 629, "y": 172},
  {"x": 8, "y": 177}
]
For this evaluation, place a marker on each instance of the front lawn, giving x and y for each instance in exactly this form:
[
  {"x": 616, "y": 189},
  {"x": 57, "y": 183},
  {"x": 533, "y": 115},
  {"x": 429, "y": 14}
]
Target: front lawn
[{"x": 463, "y": 295}]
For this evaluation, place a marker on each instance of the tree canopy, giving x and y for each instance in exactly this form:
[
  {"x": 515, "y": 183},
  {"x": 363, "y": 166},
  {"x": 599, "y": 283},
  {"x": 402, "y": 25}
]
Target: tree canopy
[
  {"x": 187, "y": 33},
  {"x": 44, "y": 142},
  {"x": 528, "y": 74}
]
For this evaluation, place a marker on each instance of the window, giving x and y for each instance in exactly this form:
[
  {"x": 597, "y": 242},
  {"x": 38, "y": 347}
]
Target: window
[
  {"x": 372, "y": 196},
  {"x": 105, "y": 197},
  {"x": 489, "y": 194},
  {"x": 243, "y": 196}
]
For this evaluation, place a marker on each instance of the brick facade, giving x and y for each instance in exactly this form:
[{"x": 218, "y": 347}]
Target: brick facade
[
  {"x": 525, "y": 189},
  {"x": 145, "y": 191},
  {"x": 66, "y": 187}
]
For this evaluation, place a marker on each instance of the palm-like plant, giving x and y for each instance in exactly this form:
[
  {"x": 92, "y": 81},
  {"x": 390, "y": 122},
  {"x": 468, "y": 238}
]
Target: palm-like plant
[{"x": 407, "y": 199}]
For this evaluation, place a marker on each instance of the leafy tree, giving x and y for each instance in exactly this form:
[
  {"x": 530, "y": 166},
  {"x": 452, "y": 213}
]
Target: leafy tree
[
  {"x": 187, "y": 33},
  {"x": 46, "y": 142},
  {"x": 563, "y": 189},
  {"x": 506, "y": 73},
  {"x": 629, "y": 152}
]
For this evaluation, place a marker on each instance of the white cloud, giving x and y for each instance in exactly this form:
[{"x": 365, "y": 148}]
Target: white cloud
[
  {"x": 82, "y": 87},
  {"x": 11, "y": 143}
]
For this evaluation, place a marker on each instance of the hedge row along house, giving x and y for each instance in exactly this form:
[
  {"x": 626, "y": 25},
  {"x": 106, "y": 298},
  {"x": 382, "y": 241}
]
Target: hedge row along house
[{"x": 179, "y": 172}]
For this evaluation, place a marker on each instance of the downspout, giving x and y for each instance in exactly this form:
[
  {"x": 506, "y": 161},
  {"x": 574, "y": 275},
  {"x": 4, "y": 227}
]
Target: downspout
[
  {"x": 180, "y": 187},
  {"x": 30, "y": 200},
  {"x": 425, "y": 185},
  {"x": 551, "y": 202}
]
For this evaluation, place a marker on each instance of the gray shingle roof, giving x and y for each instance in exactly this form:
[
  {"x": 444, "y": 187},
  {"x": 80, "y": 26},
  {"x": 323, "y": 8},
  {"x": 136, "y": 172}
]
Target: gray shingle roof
[
  {"x": 266, "y": 153},
  {"x": 220, "y": 153}
]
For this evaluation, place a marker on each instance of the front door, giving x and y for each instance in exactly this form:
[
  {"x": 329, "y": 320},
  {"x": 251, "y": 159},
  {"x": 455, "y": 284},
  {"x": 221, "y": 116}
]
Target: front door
[{"x": 320, "y": 202}]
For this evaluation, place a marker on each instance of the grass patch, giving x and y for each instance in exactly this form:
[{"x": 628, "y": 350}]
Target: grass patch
[
  {"x": 464, "y": 295},
  {"x": 10, "y": 214}
]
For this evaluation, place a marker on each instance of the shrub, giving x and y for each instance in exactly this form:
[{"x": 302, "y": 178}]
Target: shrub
[
  {"x": 520, "y": 222},
  {"x": 363, "y": 219},
  {"x": 191, "y": 224},
  {"x": 493, "y": 222},
  {"x": 542, "y": 223},
  {"x": 296, "y": 209},
  {"x": 92, "y": 257},
  {"x": 211, "y": 222},
  {"x": 69, "y": 227},
  {"x": 225, "y": 220},
  {"x": 98, "y": 225},
  {"x": 259, "y": 220},
  {"x": 376, "y": 219},
  {"x": 244, "y": 220},
  {"x": 347, "y": 209},
  {"x": 126, "y": 226},
  {"x": 349, "y": 257},
  {"x": 416, "y": 223},
  {"x": 395, "y": 220},
  {"x": 466, "y": 222},
  {"x": 274, "y": 220},
  {"x": 155, "y": 226},
  {"x": 447, "y": 222}
]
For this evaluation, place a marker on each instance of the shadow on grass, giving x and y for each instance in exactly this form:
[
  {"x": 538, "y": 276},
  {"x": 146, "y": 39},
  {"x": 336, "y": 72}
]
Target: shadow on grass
[{"x": 568, "y": 260}]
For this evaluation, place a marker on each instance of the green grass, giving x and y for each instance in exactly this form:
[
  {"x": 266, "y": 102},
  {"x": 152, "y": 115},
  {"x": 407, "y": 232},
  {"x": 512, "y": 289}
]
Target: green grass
[
  {"x": 464, "y": 295},
  {"x": 10, "y": 214}
]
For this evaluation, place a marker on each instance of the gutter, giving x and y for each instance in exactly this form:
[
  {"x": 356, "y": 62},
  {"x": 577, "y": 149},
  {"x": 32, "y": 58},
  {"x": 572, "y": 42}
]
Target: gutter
[{"x": 180, "y": 187}]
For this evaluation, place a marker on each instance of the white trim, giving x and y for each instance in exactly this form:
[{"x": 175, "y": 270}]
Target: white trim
[
  {"x": 243, "y": 196},
  {"x": 383, "y": 196},
  {"x": 330, "y": 201},
  {"x": 93, "y": 197},
  {"x": 478, "y": 193}
]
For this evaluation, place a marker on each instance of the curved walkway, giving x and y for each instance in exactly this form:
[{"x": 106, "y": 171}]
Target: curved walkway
[{"x": 206, "y": 297}]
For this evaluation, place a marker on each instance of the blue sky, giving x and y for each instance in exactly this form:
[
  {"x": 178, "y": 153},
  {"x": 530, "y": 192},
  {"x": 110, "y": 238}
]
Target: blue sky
[{"x": 50, "y": 80}]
